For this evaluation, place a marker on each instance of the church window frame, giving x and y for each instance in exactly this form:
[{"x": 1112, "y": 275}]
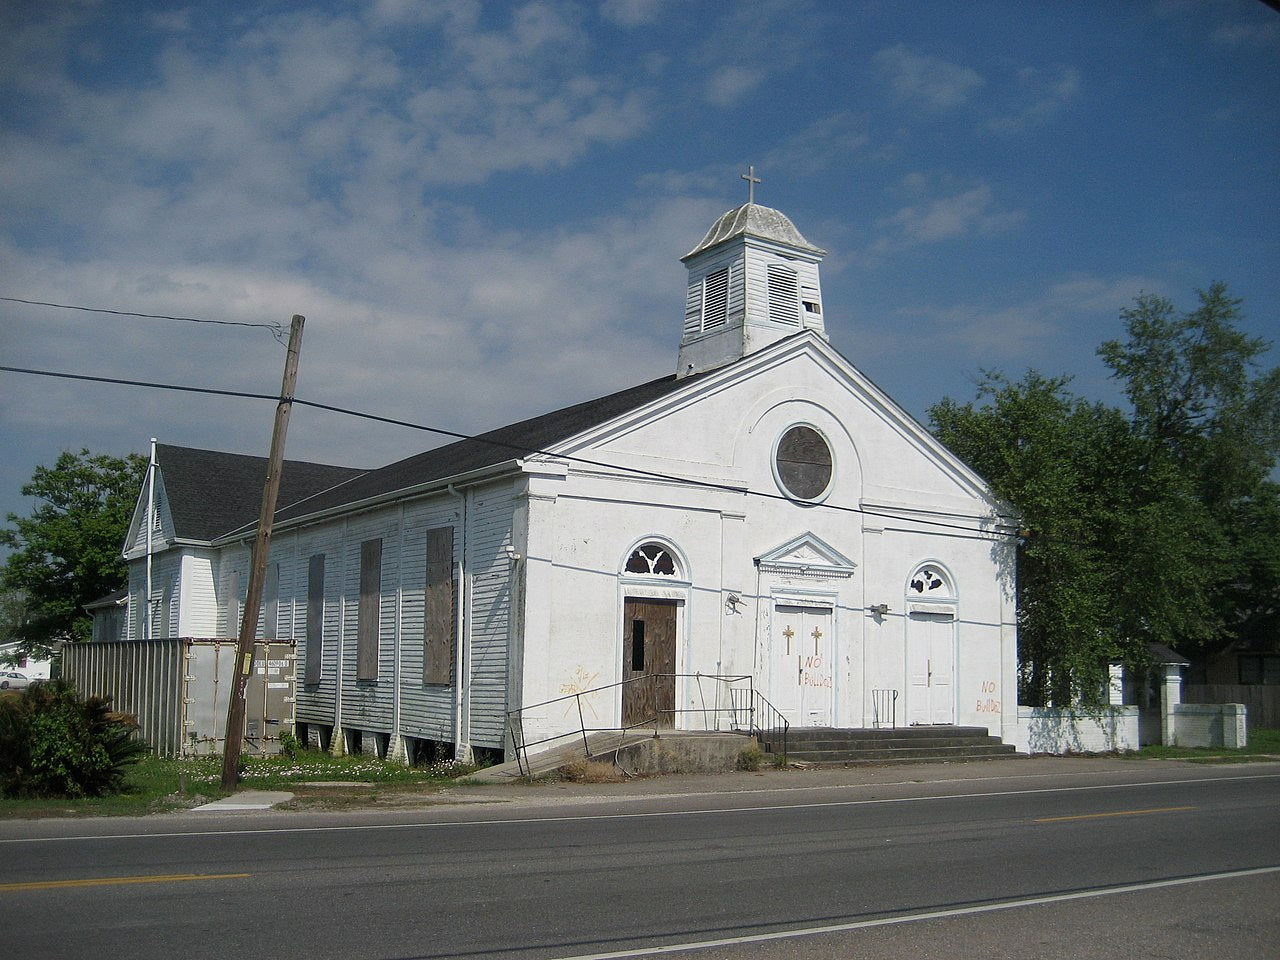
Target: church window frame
[
  {"x": 652, "y": 559},
  {"x": 931, "y": 588},
  {"x": 796, "y": 477},
  {"x": 930, "y": 580}
]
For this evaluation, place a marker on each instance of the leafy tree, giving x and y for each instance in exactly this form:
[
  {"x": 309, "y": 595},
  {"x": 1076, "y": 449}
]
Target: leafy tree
[
  {"x": 1208, "y": 413},
  {"x": 13, "y": 613},
  {"x": 1153, "y": 525},
  {"x": 67, "y": 553},
  {"x": 1049, "y": 453}
]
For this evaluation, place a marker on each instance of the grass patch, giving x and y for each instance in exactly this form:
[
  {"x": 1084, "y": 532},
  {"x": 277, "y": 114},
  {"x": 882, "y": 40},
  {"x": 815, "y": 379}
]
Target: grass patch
[
  {"x": 589, "y": 771},
  {"x": 1263, "y": 745},
  {"x": 155, "y": 785}
]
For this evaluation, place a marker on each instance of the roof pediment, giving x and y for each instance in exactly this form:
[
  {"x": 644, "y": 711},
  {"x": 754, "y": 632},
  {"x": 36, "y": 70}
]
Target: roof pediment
[{"x": 806, "y": 555}]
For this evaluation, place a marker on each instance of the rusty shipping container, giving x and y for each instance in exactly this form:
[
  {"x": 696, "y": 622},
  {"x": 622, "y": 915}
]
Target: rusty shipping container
[{"x": 178, "y": 688}]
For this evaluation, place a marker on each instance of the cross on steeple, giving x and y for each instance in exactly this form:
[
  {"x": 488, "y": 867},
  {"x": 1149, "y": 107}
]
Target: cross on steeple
[{"x": 752, "y": 180}]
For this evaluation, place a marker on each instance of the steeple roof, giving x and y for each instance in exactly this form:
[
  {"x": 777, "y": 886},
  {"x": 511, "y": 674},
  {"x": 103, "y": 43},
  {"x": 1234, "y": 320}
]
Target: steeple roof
[{"x": 753, "y": 220}]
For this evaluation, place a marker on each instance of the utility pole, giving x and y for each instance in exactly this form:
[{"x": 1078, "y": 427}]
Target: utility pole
[{"x": 243, "y": 668}]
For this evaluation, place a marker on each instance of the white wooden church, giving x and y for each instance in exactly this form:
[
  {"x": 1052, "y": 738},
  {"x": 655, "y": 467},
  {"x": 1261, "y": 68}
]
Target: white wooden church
[{"x": 765, "y": 513}]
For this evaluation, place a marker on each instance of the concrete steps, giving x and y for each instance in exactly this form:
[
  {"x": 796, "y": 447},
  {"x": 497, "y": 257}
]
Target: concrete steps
[{"x": 918, "y": 744}]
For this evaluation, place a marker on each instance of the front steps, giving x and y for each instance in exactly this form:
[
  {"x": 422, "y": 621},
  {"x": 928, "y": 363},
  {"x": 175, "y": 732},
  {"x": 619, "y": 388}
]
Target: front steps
[{"x": 916, "y": 744}]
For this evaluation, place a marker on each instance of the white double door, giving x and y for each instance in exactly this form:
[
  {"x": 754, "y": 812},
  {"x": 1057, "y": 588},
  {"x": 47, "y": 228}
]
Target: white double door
[
  {"x": 802, "y": 683},
  {"x": 931, "y": 660}
]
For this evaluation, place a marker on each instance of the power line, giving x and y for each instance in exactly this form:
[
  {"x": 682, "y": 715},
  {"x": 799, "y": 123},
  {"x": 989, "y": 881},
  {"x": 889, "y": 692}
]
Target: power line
[
  {"x": 276, "y": 329},
  {"x": 976, "y": 533}
]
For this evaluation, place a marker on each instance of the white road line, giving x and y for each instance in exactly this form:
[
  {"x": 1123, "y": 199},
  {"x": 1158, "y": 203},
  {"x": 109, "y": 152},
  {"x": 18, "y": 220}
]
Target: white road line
[
  {"x": 916, "y": 917},
  {"x": 657, "y": 814}
]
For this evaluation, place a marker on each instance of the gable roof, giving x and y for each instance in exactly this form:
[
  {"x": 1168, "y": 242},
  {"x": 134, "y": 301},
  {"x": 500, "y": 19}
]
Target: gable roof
[
  {"x": 490, "y": 449},
  {"x": 211, "y": 493}
]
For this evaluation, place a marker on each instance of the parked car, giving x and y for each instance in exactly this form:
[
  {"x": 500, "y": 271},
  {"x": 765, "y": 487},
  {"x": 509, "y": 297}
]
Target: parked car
[{"x": 12, "y": 680}]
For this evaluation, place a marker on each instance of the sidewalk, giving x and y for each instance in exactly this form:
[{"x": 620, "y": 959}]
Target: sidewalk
[{"x": 978, "y": 775}]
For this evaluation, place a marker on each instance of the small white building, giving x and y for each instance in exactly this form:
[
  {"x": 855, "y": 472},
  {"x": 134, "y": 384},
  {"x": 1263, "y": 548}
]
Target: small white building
[
  {"x": 12, "y": 657},
  {"x": 766, "y": 513}
]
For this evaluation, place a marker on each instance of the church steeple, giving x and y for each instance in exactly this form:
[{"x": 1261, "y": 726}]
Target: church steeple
[{"x": 752, "y": 280}]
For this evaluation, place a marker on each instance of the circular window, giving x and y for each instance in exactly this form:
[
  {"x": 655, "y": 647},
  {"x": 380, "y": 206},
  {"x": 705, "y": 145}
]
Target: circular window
[{"x": 803, "y": 463}]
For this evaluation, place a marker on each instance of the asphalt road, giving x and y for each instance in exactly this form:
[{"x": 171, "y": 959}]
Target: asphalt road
[{"x": 1143, "y": 860}]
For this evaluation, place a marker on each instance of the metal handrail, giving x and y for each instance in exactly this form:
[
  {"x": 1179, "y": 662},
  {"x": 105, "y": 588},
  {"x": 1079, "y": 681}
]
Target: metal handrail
[
  {"x": 884, "y": 707},
  {"x": 762, "y": 719}
]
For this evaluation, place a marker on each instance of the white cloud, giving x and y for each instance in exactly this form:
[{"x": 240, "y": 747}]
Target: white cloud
[
  {"x": 944, "y": 218},
  {"x": 631, "y": 13},
  {"x": 1040, "y": 94},
  {"x": 728, "y": 85},
  {"x": 930, "y": 81},
  {"x": 1030, "y": 330}
]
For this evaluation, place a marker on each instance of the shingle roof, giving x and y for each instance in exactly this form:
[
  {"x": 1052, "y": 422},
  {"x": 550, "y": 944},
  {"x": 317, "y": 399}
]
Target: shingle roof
[
  {"x": 212, "y": 493},
  {"x": 488, "y": 449}
]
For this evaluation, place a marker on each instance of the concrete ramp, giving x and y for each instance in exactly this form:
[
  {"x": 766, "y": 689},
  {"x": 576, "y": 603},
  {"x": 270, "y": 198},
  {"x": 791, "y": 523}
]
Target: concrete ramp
[{"x": 640, "y": 752}]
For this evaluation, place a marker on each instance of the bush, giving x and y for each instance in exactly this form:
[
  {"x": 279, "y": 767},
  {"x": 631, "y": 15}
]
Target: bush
[
  {"x": 56, "y": 743},
  {"x": 750, "y": 758}
]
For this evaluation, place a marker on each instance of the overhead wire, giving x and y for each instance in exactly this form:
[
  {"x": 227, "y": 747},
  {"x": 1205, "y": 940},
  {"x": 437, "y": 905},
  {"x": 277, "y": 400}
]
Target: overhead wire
[
  {"x": 995, "y": 533},
  {"x": 275, "y": 329}
]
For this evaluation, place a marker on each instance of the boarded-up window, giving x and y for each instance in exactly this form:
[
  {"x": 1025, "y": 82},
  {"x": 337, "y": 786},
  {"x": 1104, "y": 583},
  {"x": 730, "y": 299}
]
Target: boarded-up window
[
  {"x": 315, "y": 617},
  {"x": 233, "y": 605},
  {"x": 271, "y": 603},
  {"x": 437, "y": 647},
  {"x": 370, "y": 607}
]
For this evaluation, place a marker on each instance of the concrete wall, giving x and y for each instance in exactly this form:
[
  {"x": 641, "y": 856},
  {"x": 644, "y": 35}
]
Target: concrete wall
[
  {"x": 1210, "y": 725},
  {"x": 1044, "y": 730}
]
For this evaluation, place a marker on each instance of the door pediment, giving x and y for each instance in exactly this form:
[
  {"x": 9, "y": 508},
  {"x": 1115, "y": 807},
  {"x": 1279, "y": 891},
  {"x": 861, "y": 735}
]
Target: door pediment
[{"x": 807, "y": 556}]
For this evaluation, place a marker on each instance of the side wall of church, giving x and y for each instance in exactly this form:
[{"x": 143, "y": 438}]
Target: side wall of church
[{"x": 206, "y": 591}]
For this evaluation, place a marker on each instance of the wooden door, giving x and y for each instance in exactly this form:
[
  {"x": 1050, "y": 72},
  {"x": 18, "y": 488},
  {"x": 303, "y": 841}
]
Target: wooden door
[
  {"x": 802, "y": 684},
  {"x": 930, "y": 665},
  {"x": 649, "y": 662}
]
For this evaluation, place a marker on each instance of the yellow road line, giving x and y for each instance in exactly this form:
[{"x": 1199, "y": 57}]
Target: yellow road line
[
  {"x": 116, "y": 881},
  {"x": 1118, "y": 813}
]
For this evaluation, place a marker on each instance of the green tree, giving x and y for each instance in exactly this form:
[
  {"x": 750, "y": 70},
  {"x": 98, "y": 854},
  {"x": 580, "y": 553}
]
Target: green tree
[
  {"x": 1154, "y": 525},
  {"x": 1051, "y": 455},
  {"x": 1208, "y": 415},
  {"x": 67, "y": 552}
]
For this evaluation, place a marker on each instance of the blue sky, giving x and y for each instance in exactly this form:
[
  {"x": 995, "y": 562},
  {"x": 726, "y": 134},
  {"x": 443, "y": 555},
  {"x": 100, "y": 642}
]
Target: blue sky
[{"x": 480, "y": 208}]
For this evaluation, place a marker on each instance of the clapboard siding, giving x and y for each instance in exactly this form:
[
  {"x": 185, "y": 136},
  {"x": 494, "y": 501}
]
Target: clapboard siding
[
  {"x": 232, "y": 582},
  {"x": 757, "y": 285},
  {"x": 489, "y": 536},
  {"x": 199, "y": 595},
  {"x": 693, "y": 320}
]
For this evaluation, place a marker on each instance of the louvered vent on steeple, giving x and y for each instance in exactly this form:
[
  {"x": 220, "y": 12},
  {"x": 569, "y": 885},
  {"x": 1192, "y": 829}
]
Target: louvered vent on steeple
[
  {"x": 715, "y": 303},
  {"x": 784, "y": 295}
]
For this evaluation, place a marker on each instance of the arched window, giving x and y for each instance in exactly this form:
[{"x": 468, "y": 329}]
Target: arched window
[
  {"x": 651, "y": 560},
  {"x": 930, "y": 582}
]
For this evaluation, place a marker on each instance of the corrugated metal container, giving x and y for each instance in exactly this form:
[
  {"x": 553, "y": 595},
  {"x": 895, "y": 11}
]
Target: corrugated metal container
[{"x": 178, "y": 689}]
